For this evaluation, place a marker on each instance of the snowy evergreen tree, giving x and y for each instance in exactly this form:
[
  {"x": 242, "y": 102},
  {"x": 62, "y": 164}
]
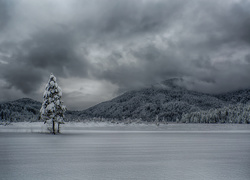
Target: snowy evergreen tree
[{"x": 52, "y": 110}]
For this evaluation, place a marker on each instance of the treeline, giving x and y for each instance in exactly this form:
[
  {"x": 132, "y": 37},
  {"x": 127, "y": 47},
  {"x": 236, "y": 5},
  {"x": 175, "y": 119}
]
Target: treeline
[
  {"x": 239, "y": 113},
  {"x": 20, "y": 110},
  {"x": 10, "y": 116}
]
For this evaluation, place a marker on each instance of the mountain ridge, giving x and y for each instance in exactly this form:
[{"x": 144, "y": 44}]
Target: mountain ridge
[{"x": 166, "y": 101}]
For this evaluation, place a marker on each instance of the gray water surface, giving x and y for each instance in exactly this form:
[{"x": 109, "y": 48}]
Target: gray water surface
[{"x": 115, "y": 155}]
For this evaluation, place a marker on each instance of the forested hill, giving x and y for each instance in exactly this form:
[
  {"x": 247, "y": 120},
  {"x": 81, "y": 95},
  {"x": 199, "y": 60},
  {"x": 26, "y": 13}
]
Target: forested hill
[
  {"x": 241, "y": 96},
  {"x": 26, "y": 109},
  {"x": 166, "y": 101}
]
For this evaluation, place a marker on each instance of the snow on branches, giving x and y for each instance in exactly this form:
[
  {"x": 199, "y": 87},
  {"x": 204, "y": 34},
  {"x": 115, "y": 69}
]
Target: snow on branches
[{"x": 52, "y": 109}]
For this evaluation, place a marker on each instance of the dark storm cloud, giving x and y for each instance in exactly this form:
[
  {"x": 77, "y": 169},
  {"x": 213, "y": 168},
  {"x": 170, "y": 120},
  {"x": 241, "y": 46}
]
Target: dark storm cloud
[
  {"x": 204, "y": 35},
  {"x": 247, "y": 58},
  {"x": 55, "y": 51},
  {"x": 116, "y": 20},
  {"x": 240, "y": 26},
  {"x": 4, "y": 14},
  {"x": 36, "y": 58},
  {"x": 136, "y": 17},
  {"x": 129, "y": 43},
  {"x": 25, "y": 78},
  {"x": 227, "y": 25}
]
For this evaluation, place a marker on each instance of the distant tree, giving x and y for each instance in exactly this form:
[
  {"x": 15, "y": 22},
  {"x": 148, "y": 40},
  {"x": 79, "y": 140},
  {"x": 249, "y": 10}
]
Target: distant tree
[
  {"x": 52, "y": 110},
  {"x": 157, "y": 120}
]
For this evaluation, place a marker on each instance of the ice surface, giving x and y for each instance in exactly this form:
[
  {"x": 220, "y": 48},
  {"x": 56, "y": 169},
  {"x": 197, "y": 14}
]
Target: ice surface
[{"x": 106, "y": 151}]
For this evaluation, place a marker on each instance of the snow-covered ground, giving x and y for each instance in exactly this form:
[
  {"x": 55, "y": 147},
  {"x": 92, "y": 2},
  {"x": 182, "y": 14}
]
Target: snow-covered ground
[
  {"x": 80, "y": 127},
  {"x": 106, "y": 151}
]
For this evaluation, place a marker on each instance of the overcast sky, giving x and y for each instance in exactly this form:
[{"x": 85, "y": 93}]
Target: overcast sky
[{"x": 98, "y": 49}]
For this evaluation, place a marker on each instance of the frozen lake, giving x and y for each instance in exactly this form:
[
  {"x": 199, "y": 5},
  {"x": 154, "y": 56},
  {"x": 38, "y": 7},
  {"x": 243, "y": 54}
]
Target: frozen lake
[{"x": 92, "y": 152}]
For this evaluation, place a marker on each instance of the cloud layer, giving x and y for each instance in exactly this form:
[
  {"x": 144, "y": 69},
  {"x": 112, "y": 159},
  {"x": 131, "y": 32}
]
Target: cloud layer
[{"x": 119, "y": 45}]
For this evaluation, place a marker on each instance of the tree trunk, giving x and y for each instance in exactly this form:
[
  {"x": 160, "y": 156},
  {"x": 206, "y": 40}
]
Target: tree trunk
[
  {"x": 58, "y": 129},
  {"x": 53, "y": 127}
]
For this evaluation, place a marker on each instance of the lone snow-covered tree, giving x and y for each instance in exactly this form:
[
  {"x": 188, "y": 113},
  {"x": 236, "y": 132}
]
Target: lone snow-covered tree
[{"x": 52, "y": 110}]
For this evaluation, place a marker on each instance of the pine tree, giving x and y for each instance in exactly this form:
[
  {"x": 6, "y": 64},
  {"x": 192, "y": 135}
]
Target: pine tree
[{"x": 52, "y": 110}]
